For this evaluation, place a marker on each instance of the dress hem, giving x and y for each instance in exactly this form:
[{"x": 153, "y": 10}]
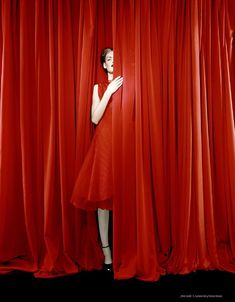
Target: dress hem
[{"x": 91, "y": 205}]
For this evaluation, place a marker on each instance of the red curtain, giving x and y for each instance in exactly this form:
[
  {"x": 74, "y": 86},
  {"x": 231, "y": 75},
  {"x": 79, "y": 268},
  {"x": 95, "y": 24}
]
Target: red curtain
[{"x": 173, "y": 134}]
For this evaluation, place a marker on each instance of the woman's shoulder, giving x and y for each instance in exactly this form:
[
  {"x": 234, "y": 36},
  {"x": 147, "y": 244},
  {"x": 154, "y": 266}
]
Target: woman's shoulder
[{"x": 100, "y": 86}]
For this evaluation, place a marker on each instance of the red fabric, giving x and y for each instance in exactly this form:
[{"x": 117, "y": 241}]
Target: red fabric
[
  {"x": 94, "y": 187},
  {"x": 173, "y": 137}
]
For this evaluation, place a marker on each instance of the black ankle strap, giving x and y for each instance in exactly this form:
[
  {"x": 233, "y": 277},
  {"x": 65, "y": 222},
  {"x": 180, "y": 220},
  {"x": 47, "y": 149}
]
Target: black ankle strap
[{"x": 104, "y": 247}]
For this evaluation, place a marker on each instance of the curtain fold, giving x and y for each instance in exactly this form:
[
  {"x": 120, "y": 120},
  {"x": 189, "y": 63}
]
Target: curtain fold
[{"x": 173, "y": 141}]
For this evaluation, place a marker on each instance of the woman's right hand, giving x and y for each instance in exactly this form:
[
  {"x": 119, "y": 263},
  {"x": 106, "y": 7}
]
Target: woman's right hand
[{"x": 115, "y": 84}]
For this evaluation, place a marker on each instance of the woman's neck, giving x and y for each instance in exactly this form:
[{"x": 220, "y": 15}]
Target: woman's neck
[{"x": 110, "y": 76}]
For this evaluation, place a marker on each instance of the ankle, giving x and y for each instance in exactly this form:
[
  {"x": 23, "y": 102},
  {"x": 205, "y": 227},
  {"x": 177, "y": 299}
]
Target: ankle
[
  {"x": 107, "y": 254},
  {"x": 106, "y": 246}
]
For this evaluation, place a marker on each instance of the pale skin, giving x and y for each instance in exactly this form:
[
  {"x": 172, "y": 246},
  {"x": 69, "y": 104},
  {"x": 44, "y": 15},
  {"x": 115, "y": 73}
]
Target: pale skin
[{"x": 97, "y": 112}]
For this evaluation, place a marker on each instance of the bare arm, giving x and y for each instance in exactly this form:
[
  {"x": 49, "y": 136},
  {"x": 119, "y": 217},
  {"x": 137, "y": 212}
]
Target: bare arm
[{"x": 99, "y": 106}]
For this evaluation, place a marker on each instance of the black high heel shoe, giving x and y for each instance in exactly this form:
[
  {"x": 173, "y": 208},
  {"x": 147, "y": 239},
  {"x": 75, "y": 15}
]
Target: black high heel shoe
[{"x": 107, "y": 267}]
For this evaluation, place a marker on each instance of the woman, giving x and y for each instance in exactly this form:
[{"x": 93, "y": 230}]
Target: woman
[{"x": 93, "y": 187}]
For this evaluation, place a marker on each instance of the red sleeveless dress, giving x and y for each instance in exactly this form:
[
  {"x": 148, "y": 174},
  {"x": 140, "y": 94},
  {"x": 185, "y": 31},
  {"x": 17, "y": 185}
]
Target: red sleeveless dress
[{"x": 93, "y": 186}]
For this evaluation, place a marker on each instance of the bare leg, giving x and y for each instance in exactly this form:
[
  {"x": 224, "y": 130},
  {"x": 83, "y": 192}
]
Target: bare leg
[{"x": 103, "y": 221}]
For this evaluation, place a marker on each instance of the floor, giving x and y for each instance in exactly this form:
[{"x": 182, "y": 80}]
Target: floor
[{"x": 197, "y": 286}]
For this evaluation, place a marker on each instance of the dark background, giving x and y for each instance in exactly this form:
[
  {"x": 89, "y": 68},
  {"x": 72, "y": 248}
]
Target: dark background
[{"x": 197, "y": 286}]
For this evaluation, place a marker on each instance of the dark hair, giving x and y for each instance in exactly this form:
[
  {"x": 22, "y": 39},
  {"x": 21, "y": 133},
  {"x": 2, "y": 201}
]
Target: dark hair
[{"x": 103, "y": 55}]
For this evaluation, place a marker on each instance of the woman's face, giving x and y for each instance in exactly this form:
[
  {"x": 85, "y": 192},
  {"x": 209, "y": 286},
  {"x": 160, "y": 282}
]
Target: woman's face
[{"x": 108, "y": 65}]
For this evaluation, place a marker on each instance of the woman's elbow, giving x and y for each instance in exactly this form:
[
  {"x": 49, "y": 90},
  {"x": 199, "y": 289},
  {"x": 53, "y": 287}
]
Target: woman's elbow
[{"x": 94, "y": 120}]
